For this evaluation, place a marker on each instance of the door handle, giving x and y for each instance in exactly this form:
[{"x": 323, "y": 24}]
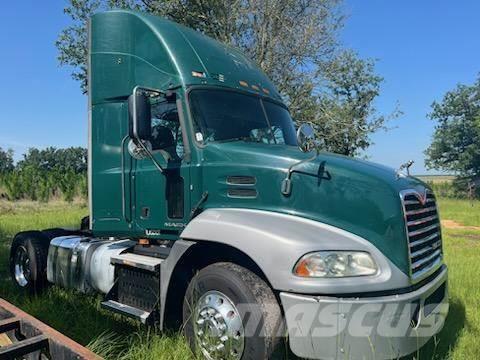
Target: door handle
[{"x": 124, "y": 198}]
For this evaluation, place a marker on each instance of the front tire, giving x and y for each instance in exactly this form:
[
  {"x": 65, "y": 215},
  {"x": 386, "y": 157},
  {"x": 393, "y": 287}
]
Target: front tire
[{"x": 231, "y": 313}]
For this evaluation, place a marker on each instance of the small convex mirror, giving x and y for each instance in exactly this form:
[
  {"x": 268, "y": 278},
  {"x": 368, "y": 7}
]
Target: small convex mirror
[{"x": 306, "y": 137}]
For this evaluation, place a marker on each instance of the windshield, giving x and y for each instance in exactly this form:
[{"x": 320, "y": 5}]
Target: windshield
[{"x": 221, "y": 115}]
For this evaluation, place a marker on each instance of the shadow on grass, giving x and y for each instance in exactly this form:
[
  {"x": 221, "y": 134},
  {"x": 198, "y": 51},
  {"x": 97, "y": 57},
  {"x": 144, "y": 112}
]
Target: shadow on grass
[{"x": 445, "y": 342}]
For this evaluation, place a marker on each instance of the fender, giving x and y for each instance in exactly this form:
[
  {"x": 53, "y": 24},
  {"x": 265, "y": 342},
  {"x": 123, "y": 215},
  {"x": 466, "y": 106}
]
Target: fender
[
  {"x": 166, "y": 272},
  {"x": 275, "y": 242}
]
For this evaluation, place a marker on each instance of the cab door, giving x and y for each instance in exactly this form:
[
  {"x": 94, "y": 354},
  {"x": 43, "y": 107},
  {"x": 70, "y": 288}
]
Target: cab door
[{"x": 161, "y": 200}]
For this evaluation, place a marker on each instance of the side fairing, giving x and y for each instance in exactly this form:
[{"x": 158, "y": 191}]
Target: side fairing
[{"x": 110, "y": 180}]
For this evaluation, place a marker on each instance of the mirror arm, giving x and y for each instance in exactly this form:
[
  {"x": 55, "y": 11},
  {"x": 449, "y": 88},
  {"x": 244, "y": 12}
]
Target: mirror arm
[
  {"x": 287, "y": 182},
  {"x": 150, "y": 155}
]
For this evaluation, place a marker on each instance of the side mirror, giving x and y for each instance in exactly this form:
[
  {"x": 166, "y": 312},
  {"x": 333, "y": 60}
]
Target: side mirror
[
  {"x": 140, "y": 117},
  {"x": 306, "y": 138}
]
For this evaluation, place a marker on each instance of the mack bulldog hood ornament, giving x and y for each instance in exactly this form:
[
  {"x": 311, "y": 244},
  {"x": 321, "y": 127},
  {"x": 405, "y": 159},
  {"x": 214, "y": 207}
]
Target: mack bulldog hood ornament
[{"x": 404, "y": 169}]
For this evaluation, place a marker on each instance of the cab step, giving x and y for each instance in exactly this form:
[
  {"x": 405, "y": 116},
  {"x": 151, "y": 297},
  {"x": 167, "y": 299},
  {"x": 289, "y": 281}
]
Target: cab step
[
  {"x": 127, "y": 310},
  {"x": 142, "y": 262},
  {"x": 136, "y": 291}
]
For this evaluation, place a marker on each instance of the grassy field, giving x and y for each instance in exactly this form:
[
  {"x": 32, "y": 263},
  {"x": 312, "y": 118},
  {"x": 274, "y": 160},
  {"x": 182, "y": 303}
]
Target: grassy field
[
  {"x": 78, "y": 316},
  {"x": 113, "y": 337},
  {"x": 436, "y": 178}
]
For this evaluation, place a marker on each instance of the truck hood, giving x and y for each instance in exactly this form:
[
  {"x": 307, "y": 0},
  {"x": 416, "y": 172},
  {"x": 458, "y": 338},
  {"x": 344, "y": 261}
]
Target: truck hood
[{"x": 355, "y": 195}]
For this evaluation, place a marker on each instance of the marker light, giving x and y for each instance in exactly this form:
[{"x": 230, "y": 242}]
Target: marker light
[
  {"x": 329, "y": 264},
  {"x": 199, "y": 74}
]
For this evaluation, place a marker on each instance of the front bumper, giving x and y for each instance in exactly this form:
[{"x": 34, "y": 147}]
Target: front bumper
[{"x": 376, "y": 327}]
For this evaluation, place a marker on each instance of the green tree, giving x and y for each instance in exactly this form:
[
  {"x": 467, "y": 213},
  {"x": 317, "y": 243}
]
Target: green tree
[
  {"x": 13, "y": 185},
  {"x": 6, "y": 161},
  {"x": 345, "y": 114},
  {"x": 50, "y": 159},
  {"x": 455, "y": 145},
  {"x": 68, "y": 185},
  {"x": 49, "y": 172}
]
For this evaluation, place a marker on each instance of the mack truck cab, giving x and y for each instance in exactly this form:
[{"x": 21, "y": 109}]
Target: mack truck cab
[{"x": 209, "y": 211}]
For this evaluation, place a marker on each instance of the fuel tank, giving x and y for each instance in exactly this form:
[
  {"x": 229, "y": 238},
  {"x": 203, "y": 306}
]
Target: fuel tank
[{"x": 83, "y": 263}]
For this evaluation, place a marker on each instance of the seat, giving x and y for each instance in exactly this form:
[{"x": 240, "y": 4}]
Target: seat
[{"x": 163, "y": 141}]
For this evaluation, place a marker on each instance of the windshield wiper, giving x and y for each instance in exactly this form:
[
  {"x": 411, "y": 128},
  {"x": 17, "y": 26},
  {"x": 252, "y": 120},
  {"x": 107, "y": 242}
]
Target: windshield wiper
[{"x": 239, "y": 138}]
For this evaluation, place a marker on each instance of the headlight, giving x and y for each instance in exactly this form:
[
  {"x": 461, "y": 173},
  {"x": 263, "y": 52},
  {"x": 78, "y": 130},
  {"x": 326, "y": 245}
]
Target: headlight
[{"x": 335, "y": 264}]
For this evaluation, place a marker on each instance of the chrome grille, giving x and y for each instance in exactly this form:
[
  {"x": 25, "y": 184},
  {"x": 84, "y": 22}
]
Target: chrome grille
[{"x": 423, "y": 232}]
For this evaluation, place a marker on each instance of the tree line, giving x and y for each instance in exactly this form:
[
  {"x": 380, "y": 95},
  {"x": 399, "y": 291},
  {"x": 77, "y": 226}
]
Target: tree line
[
  {"x": 45, "y": 174},
  {"x": 295, "y": 42},
  {"x": 455, "y": 146}
]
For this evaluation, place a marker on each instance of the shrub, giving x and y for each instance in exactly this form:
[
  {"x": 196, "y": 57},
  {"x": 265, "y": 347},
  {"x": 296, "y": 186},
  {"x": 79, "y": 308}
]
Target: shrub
[{"x": 460, "y": 188}]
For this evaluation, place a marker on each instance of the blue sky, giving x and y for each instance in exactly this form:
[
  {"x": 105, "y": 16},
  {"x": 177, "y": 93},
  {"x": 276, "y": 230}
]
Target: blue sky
[{"x": 424, "y": 48}]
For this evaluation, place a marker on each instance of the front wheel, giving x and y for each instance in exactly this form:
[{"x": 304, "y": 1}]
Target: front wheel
[{"x": 231, "y": 313}]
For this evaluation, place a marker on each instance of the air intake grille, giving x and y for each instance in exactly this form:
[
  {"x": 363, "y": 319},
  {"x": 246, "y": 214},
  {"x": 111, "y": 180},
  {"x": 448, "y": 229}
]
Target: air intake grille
[
  {"x": 241, "y": 180},
  {"x": 423, "y": 232},
  {"x": 242, "y": 193}
]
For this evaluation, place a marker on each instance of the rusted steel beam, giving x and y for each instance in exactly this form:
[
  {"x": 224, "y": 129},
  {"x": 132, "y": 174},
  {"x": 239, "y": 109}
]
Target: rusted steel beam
[
  {"x": 9, "y": 324},
  {"x": 24, "y": 347},
  {"x": 60, "y": 346}
]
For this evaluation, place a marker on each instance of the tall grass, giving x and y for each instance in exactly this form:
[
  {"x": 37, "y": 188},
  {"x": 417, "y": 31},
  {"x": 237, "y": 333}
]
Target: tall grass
[{"x": 76, "y": 315}]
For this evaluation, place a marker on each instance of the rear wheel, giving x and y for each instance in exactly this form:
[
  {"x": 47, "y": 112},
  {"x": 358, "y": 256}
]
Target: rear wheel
[
  {"x": 28, "y": 261},
  {"x": 231, "y": 313}
]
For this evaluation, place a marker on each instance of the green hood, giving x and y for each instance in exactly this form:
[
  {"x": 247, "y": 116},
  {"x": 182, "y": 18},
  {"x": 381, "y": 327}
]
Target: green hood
[{"x": 358, "y": 196}]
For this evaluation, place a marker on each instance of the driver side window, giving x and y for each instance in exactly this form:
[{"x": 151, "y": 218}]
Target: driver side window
[{"x": 166, "y": 130}]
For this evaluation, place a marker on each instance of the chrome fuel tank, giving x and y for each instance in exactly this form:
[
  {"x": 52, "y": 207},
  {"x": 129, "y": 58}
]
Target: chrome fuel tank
[{"x": 83, "y": 263}]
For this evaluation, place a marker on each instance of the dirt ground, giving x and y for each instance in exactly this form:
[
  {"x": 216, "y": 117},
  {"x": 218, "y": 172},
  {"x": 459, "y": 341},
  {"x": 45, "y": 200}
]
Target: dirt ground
[{"x": 451, "y": 224}]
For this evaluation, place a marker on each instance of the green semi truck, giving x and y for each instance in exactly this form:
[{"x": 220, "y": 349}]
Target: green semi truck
[{"x": 210, "y": 212}]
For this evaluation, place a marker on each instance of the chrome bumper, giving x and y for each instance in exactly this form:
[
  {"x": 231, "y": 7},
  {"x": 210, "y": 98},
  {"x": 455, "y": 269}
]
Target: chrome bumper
[{"x": 383, "y": 327}]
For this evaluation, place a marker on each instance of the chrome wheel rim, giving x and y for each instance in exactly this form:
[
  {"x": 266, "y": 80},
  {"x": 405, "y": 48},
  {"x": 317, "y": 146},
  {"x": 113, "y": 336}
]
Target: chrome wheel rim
[
  {"x": 22, "y": 267},
  {"x": 218, "y": 327}
]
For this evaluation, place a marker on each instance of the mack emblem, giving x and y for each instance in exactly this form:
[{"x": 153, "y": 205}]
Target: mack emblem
[{"x": 175, "y": 225}]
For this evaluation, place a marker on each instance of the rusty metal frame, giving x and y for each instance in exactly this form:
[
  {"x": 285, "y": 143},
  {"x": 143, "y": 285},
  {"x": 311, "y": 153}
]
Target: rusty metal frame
[{"x": 29, "y": 337}]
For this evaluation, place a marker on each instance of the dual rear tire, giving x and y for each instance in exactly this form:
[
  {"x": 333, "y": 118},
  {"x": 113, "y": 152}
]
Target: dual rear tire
[{"x": 28, "y": 259}]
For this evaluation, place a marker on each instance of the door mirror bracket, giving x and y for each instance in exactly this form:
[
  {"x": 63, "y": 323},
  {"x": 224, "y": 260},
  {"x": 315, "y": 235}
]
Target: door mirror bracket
[
  {"x": 136, "y": 151},
  {"x": 306, "y": 142}
]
